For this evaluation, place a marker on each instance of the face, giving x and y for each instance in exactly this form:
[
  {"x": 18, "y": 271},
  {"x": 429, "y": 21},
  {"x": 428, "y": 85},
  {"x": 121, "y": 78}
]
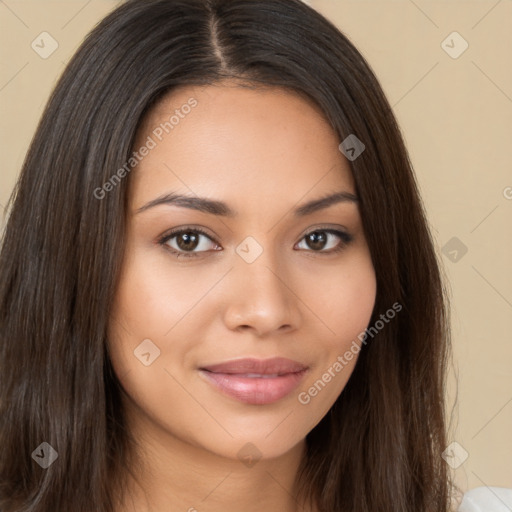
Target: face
[{"x": 237, "y": 303}]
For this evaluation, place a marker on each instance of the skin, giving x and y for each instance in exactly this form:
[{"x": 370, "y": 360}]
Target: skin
[{"x": 263, "y": 152}]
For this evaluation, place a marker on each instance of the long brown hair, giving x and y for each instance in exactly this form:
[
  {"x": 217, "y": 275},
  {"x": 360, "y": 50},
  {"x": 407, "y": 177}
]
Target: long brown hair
[{"x": 379, "y": 447}]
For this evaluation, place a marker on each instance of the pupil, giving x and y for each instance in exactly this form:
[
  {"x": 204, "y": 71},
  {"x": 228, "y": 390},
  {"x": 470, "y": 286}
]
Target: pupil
[
  {"x": 317, "y": 240},
  {"x": 190, "y": 241}
]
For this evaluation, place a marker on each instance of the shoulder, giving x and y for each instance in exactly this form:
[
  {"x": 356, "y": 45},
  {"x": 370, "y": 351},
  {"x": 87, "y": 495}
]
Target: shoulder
[{"x": 487, "y": 499}]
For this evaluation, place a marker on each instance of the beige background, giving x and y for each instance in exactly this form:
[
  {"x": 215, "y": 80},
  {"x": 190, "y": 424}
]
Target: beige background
[{"x": 456, "y": 116}]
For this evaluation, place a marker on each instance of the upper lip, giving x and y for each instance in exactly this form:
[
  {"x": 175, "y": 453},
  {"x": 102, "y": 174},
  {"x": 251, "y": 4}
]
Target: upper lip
[{"x": 273, "y": 366}]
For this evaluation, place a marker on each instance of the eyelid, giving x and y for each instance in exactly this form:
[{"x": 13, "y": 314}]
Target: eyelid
[
  {"x": 184, "y": 229},
  {"x": 327, "y": 228}
]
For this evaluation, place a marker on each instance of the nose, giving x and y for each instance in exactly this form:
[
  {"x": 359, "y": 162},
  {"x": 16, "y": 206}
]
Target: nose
[{"x": 261, "y": 299}]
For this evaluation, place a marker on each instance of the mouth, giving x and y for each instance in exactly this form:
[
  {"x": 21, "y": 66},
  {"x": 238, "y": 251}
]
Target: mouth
[{"x": 255, "y": 381}]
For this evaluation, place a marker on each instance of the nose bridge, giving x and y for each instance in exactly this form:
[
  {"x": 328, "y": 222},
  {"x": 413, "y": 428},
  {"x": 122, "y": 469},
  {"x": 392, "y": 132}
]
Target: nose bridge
[
  {"x": 262, "y": 274},
  {"x": 262, "y": 295}
]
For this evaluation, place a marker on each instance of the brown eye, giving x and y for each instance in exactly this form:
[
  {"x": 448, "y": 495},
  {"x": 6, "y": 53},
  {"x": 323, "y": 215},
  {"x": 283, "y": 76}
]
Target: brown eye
[
  {"x": 188, "y": 242},
  {"x": 319, "y": 240},
  {"x": 316, "y": 240}
]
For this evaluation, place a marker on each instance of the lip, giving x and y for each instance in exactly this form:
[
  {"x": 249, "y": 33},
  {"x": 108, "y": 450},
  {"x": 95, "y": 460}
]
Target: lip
[{"x": 255, "y": 381}]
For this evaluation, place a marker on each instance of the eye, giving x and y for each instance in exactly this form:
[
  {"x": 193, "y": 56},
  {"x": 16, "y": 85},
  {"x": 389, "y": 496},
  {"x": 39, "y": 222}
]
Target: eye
[
  {"x": 184, "y": 242},
  {"x": 320, "y": 239},
  {"x": 188, "y": 242}
]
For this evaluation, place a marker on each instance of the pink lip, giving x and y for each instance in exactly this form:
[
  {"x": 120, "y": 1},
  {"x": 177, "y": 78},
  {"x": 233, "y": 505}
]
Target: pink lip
[{"x": 256, "y": 381}]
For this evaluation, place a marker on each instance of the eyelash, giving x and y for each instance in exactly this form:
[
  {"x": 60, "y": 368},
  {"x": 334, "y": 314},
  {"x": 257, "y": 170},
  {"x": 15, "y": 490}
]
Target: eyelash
[{"x": 346, "y": 239}]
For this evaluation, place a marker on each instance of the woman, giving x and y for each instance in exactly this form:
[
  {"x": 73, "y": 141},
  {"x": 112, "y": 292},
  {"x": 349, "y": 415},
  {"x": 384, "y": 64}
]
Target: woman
[{"x": 218, "y": 287}]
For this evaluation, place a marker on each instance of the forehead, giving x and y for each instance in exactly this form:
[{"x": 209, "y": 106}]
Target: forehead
[{"x": 242, "y": 145}]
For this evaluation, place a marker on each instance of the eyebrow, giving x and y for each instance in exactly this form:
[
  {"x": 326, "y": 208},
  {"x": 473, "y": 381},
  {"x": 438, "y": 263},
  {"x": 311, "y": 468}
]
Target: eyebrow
[{"x": 214, "y": 207}]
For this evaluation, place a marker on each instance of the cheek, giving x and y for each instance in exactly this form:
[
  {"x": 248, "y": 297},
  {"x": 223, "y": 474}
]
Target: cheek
[
  {"x": 160, "y": 302},
  {"x": 354, "y": 305},
  {"x": 154, "y": 295},
  {"x": 343, "y": 300},
  {"x": 345, "y": 304}
]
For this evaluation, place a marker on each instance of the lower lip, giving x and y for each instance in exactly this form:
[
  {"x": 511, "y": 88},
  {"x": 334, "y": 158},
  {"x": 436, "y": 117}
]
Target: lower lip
[{"x": 255, "y": 390}]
